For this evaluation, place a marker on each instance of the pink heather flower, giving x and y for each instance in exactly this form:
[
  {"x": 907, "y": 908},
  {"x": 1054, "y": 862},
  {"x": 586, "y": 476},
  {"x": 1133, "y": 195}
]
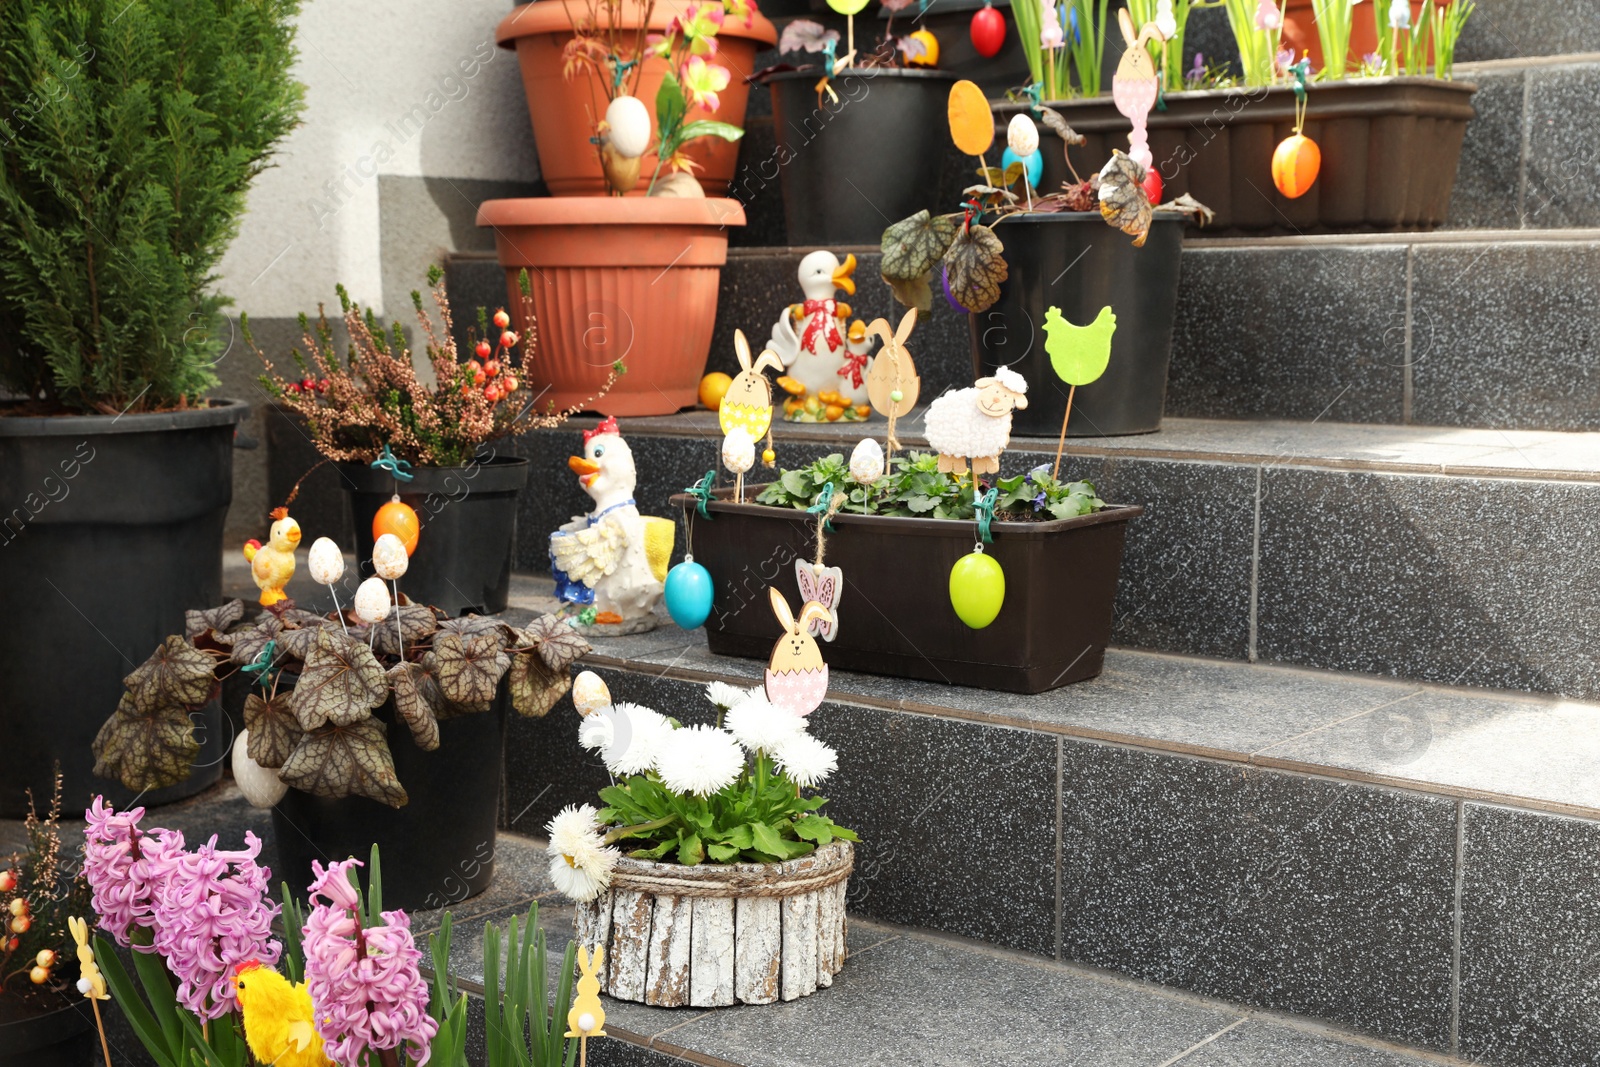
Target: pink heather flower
[
  {"x": 212, "y": 914},
  {"x": 125, "y": 868},
  {"x": 365, "y": 984}
]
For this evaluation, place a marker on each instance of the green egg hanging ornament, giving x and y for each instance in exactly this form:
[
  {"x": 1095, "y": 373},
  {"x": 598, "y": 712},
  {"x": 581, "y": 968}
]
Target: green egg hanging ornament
[{"x": 977, "y": 588}]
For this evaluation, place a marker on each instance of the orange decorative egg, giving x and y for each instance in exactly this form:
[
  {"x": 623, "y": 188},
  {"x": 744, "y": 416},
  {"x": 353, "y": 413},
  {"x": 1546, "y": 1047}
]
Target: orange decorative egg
[
  {"x": 398, "y": 519},
  {"x": 1295, "y": 165}
]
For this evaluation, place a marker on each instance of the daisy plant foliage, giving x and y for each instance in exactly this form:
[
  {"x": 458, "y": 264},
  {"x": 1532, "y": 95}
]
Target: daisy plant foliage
[{"x": 724, "y": 793}]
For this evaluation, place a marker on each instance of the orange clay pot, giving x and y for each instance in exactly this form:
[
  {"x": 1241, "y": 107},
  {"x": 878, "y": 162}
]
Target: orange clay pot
[
  {"x": 615, "y": 278},
  {"x": 564, "y": 111},
  {"x": 1300, "y": 30}
]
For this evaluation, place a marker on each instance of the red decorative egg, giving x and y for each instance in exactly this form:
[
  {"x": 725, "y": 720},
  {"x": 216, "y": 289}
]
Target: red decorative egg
[
  {"x": 1295, "y": 165},
  {"x": 1152, "y": 185},
  {"x": 988, "y": 31}
]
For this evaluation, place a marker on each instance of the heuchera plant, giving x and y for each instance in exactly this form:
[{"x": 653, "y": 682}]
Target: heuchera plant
[{"x": 321, "y": 679}]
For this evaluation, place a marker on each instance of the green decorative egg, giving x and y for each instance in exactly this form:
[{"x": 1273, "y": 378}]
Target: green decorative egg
[{"x": 977, "y": 589}]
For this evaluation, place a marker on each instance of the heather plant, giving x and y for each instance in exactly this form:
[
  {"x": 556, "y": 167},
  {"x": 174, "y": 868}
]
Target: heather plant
[
  {"x": 374, "y": 398},
  {"x": 130, "y": 131},
  {"x": 38, "y": 891}
]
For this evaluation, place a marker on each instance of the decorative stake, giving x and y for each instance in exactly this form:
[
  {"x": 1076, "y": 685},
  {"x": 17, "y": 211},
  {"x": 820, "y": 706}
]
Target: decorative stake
[
  {"x": 849, "y": 9},
  {"x": 747, "y": 405},
  {"x": 587, "y": 1016},
  {"x": 738, "y": 455},
  {"x": 390, "y": 561},
  {"x": 1022, "y": 137},
  {"x": 796, "y": 677},
  {"x": 975, "y": 423},
  {"x": 1134, "y": 86},
  {"x": 1079, "y": 355},
  {"x": 327, "y": 567},
  {"x": 372, "y": 605},
  {"x": 892, "y": 381},
  {"x": 91, "y": 983}
]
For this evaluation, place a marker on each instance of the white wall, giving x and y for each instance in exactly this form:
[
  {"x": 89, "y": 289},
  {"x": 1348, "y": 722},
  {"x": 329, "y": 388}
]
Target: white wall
[{"x": 414, "y": 88}]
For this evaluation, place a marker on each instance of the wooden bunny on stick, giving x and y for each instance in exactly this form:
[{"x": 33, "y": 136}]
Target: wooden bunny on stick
[
  {"x": 797, "y": 677},
  {"x": 892, "y": 382},
  {"x": 1134, "y": 87}
]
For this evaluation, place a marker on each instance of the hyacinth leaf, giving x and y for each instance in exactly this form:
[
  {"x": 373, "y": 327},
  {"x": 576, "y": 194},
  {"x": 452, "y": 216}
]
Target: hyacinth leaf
[
  {"x": 558, "y": 643},
  {"x": 1123, "y": 202},
  {"x": 218, "y": 620},
  {"x": 417, "y": 698},
  {"x": 535, "y": 685},
  {"x": 274, "y": 730},
  {"x": 913, "y": 246},
  {"x": 177, "y": 673},
  {"x": 975, "y": 267},
  {"x": 248, "y": 644},
  {"x": 469, "y": 670},
  {"x": 346, "y": 761},
  {"x": 146, "y": 747},
  {"x": 341, "y": 683},
  {"x": 417, "y": 623}
]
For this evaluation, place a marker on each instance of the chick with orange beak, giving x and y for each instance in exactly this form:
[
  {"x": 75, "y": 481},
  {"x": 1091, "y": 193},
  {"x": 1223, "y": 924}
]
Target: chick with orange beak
[
  {"x": 272, "y": 564},
  {"x": 810, "y": 337},
  {"x": 612, "y": 557}
]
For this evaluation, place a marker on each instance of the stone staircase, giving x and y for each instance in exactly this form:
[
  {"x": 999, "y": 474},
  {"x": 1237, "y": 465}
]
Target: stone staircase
[{"x": 1335, "y": 798}]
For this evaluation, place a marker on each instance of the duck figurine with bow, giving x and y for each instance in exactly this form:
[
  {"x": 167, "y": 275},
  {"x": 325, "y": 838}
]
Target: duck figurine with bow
[
  {"x": 810, "y": 337},
  {"x": 612, "y": 556}
]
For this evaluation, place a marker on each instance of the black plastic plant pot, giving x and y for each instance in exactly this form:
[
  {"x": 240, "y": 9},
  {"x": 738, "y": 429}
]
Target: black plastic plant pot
[
  {"x": 895, "y": 616},
  {"x": 1075, "y": 262},
  {"x": 950, "y": 22},
  {"x": 468, "y": 518},
  {"x": 437, "y": 849},
  {"x": 62, "y": 1036},
  {"x": 852, "y": 166},
  {"x": 111, "y": 530}
]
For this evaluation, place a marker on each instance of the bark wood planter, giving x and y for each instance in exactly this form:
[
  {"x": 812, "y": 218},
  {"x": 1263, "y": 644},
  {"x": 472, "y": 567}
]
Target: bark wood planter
[
  {"x": 720, "y": 934},
  {"x": 564, "y": 110},
  {"x": 872, "y": 154},
  {"x": 1074, "y": 261},
  {"x": 594, "y": 264},
  {"x": 436, "y": 850},
  {"x": 895, "y": 613},
  {"x": 468, "y": 519},
  {"x": 112, "y": 532},
  {"x": 1390, "y": 147}
]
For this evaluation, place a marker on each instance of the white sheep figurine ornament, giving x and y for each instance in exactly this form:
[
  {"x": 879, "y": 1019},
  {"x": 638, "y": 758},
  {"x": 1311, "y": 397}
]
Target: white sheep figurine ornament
[{"x": 975, "y": 423}]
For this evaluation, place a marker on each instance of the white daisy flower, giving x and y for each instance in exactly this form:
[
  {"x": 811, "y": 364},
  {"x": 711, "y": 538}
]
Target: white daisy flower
[
  {"x": 806, "y": 760},
  {"x": 580, "y": 861},
  {"x": 761, "y": 727},
  {"x": 727, "y": 696},
  {"x": 627, "y": 736},
  {"x": 699, "y": 760}
]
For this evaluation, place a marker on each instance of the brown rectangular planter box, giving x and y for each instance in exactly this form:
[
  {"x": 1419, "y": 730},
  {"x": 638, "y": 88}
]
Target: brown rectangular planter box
[
  {"x": 1390, "y": 147},
  {"x": 895, "y": 616}
]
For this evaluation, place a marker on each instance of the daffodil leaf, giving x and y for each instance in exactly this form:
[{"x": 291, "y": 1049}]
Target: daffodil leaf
[
  {"x": 218, "y": 620},
  {"x": 146, "y": 748},
  {"x": 249, "y": 643},
  {"x": 417, "y": 698},
  {"x": 417, "y": 623},
  {"x": 177, "y": 673},
  {"x": 348, "y": 760},
  {"x": 975, "y": 267},
  {"x": 559, "y": 644},
  {"x": 274, "y": 730},
  {"x": 468, "y": 669},
  {"x": 911, "y": 247},
  {"x": 340, "y": 684}
]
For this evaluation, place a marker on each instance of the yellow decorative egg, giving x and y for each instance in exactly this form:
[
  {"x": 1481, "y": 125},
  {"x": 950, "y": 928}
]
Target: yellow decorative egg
[{"x": 930, "y": 50}]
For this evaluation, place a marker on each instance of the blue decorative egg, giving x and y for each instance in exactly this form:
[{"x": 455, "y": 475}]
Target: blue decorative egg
[
  {"x": 1034, "y": 164},
  {"x": 688, "y": 594}
]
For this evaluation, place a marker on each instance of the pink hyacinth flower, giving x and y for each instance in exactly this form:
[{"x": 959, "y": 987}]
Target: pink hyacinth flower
[
  {"x": 211, "y": 914},
  {"x": 125, "y": 868}
]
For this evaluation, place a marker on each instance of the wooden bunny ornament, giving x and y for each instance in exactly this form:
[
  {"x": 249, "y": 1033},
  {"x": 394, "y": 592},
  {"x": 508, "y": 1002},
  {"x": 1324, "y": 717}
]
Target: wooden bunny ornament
[
  {"x": 892, "y": 381},
  {"x": 587, "y": 1017},
  {"x": 747, "y": 405},
  {"x": 797, "y": 677},
  {"x": 1134, "y": 86}
]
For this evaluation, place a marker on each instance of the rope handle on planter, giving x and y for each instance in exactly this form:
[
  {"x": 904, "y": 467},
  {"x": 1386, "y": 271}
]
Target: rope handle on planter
[{"x": 726, "y": 884}]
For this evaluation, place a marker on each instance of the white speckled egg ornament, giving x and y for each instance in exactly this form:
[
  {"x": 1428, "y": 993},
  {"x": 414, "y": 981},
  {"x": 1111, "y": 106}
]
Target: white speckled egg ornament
[
  {"x": 389, "y": 557},
  {"x": 372, "y": 600},
  {"x": 589, "y": 693},
  {"x": 866, "y": 462},
  {"x": 629, "y": 124},
  {"x": 738, "y": 451},
  {"x": 1022, "y": 136},
  {"x": 326, "y": 562}
]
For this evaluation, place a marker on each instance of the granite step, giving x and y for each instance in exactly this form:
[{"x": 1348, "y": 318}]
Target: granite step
[
  {"x": 1461, "y": 328},
  {"x": 1411, "y": 862},
  {"x": 1458, "y": 557}
]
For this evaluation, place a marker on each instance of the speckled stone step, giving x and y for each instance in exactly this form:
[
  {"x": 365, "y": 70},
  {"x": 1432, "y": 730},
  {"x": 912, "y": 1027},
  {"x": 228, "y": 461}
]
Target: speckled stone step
[
  {"x": 1459, "y": 557},
  {"x": 1410, "y": 862}
]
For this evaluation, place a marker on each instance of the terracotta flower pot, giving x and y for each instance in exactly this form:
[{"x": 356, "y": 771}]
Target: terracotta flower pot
[
  {"x": 601, "y": 293},
  {"x": 564, "y": 110}
]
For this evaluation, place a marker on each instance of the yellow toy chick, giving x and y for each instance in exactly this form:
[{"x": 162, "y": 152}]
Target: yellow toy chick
[
  {"x": 278, "y": 1017},
  {"x": 272, "y": 566}
]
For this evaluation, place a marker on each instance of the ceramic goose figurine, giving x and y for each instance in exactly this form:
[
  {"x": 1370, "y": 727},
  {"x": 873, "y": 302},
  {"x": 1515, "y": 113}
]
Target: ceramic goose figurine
[{"x": 809, "y": 337}]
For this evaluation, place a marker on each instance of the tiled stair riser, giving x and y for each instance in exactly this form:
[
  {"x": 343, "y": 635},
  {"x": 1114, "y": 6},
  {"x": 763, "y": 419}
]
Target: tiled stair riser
[
  {"x": 1449, "y": 579},
  {"x": 1351, "y": 903}
]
